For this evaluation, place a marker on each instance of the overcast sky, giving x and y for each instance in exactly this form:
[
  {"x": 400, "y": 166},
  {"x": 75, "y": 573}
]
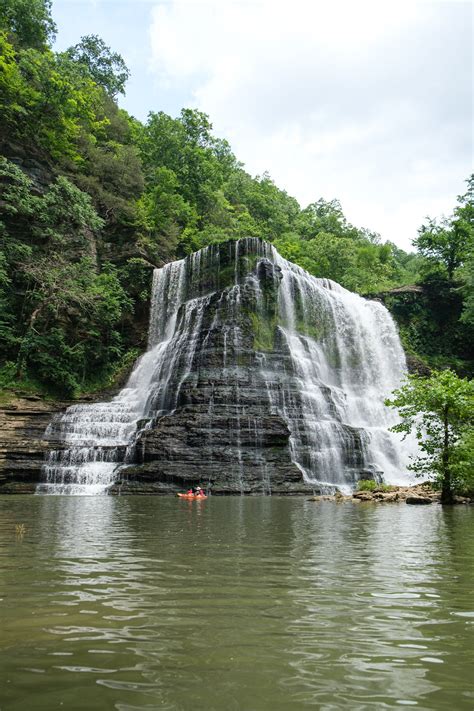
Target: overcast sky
[{"x": 367, "y": 102}]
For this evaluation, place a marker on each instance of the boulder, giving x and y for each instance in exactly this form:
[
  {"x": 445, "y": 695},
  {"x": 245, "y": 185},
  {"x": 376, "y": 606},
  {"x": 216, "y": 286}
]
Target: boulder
[{"x": 418, "y": 500}]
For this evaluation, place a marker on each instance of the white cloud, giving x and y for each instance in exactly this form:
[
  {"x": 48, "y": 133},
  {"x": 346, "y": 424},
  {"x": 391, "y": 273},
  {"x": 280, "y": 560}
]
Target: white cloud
[{"x": 368, "y": 102}]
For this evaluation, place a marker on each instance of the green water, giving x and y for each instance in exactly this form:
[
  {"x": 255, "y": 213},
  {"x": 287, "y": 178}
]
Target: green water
[{"x": 234, "y": 604}]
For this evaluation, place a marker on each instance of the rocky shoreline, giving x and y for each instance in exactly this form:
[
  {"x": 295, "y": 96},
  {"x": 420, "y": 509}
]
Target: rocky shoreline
[{"x": 419, "y": 494}]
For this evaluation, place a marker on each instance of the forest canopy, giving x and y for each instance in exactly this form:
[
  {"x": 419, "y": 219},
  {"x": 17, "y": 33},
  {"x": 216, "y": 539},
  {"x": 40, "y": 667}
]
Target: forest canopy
[{"x": 93, "y": 200}]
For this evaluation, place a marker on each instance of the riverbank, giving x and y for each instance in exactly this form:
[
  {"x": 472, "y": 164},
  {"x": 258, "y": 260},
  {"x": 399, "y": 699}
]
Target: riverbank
[{"x": 419, "y": 494}]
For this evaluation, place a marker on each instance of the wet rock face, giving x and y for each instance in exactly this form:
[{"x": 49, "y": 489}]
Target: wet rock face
[
  {"x": 237, "y": 402},
  {"x": 224, "y": 451},
  {"x": 218, "y": 429},
  {"x": 23, "y": 421}
]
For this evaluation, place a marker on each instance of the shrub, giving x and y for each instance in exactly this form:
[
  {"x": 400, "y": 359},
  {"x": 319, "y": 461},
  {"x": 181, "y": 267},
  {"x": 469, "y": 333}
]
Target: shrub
[{"x": 371, "y": 485}]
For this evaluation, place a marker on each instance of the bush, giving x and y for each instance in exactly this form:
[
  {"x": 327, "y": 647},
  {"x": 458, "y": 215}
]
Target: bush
[{"x": 371, "y": 485}]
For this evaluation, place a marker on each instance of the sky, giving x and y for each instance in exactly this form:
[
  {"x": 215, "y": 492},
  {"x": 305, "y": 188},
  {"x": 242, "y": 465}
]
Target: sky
[{"x": 367, "y": 102}]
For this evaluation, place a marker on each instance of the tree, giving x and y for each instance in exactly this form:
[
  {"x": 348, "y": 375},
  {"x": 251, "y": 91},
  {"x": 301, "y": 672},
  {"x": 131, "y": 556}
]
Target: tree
[
  {"x": 463, "y": 465},
  {"x": 67, "y": 311},
  {"x": 446, "y": 242},
  {"x": 440, "y": 410},
  {"x": 468, "y": 292},
  {"x": 325, "y": 216},
  {"x": 465, "y": 210},
  {"x": 272, "y": 211},
  {"x": 70, "y": 336},
  {"x": 45, "y": 102},
  {"x": 28, "y": 22},
  {"x": 106, "y": 68}
]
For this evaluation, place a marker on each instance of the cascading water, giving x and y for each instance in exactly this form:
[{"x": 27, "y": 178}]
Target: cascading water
[
  {"x": 346, "y": 357},
  {"x": 237, "y": 316},
  {"x": 97, "y": 437}
]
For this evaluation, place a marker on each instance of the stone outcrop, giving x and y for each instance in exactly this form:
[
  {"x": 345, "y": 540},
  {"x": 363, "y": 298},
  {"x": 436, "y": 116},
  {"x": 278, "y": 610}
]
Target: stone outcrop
[
  {"x": 418, "y": 500},
  {"x": 23, "y": 421},
  {"x": 419, "y": 494},
  {"x": 220, "y": 432},
  {"x": 216, "y": 451}
]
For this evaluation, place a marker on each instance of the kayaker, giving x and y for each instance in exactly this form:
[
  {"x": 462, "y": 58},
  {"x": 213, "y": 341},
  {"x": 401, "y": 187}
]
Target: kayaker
[{"x": 198, "y": 491}]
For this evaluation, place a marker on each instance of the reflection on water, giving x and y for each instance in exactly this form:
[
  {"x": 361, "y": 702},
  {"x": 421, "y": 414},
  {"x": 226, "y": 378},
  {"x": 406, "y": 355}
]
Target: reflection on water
[{"x": 234, "y": 603}]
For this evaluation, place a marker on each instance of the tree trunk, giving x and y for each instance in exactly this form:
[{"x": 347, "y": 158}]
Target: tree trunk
[{"x": 446, "y": 488}]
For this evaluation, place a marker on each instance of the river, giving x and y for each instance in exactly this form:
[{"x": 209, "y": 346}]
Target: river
[{"x": 234, "y": 604}]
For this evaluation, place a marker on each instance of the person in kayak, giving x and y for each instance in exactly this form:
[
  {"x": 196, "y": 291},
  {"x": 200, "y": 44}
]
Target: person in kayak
[{"x": 195, "y": 491}]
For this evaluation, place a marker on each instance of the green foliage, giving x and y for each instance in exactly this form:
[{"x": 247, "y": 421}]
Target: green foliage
[
  {"x": 28, "y": 22},
  {"x": 7, "y": 374},
  {"x": 71, "y": 334},
  {"x": 445, "y": 243},
  {"x": 57, "y": 214},
  {"x": 440, "y": 411},
  {"x": 465, "y": 212},
  {"x": 48, "y": 103},
  {"x": 357, "y": 264},
  {"x": 371, "y": 485},
  {"x": 449, "y": 242},
  {"x": 10, "y": 381},
  {"x": 14, "y": 90},
  {"x": 325, "y": 217},
  {"x": 267, "y": 211},
  {"x": 263, "y": 331},
  {"x": 437, "y": 324},
  {"x": 406, "y": 266},
  {"x": 430, "y": 324},
  {"x": 110, "y": 171},
  {"x": 69, "y": 309},
  {"x": 463, "y": 463},
  {"x": 136, "y": 273},
  {"x": 186, "y": 147},
  {"x": 468, "y": 293},
  {"x": 106, "y": 68}
]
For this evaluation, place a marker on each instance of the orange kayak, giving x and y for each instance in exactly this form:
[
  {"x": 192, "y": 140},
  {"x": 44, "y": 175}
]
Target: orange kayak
[{"x": 191, "y": 496}]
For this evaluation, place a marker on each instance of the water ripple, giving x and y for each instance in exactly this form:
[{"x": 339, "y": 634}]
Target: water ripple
[{"x": 241, "y": 604}]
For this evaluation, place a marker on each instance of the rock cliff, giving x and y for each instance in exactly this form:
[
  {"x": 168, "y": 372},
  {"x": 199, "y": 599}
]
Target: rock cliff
[{"x": 23, "y": 421}]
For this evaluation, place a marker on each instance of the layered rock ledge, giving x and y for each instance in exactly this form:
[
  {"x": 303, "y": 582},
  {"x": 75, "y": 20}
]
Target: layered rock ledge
[{"x": 23, "y": 421}]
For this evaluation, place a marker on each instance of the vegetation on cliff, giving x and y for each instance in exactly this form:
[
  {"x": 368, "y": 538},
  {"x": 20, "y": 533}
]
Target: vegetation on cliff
[
  {"x": 437, "y": 321},
  {"x": 92, "y": 200}
]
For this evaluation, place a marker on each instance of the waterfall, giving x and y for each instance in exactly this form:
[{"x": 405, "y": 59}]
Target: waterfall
[
  {"x": 239, "y": 318},
  {"x": 346, "y": 358},
  {"x": 97, "y": 437}
]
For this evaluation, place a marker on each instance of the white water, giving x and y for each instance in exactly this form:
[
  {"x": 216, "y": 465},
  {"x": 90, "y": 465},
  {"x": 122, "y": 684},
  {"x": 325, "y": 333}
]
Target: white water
[
  {"x": 343, "y": 377},
  {"x": 96, "y": 437},
  {"x": 345, "y": 359}
]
